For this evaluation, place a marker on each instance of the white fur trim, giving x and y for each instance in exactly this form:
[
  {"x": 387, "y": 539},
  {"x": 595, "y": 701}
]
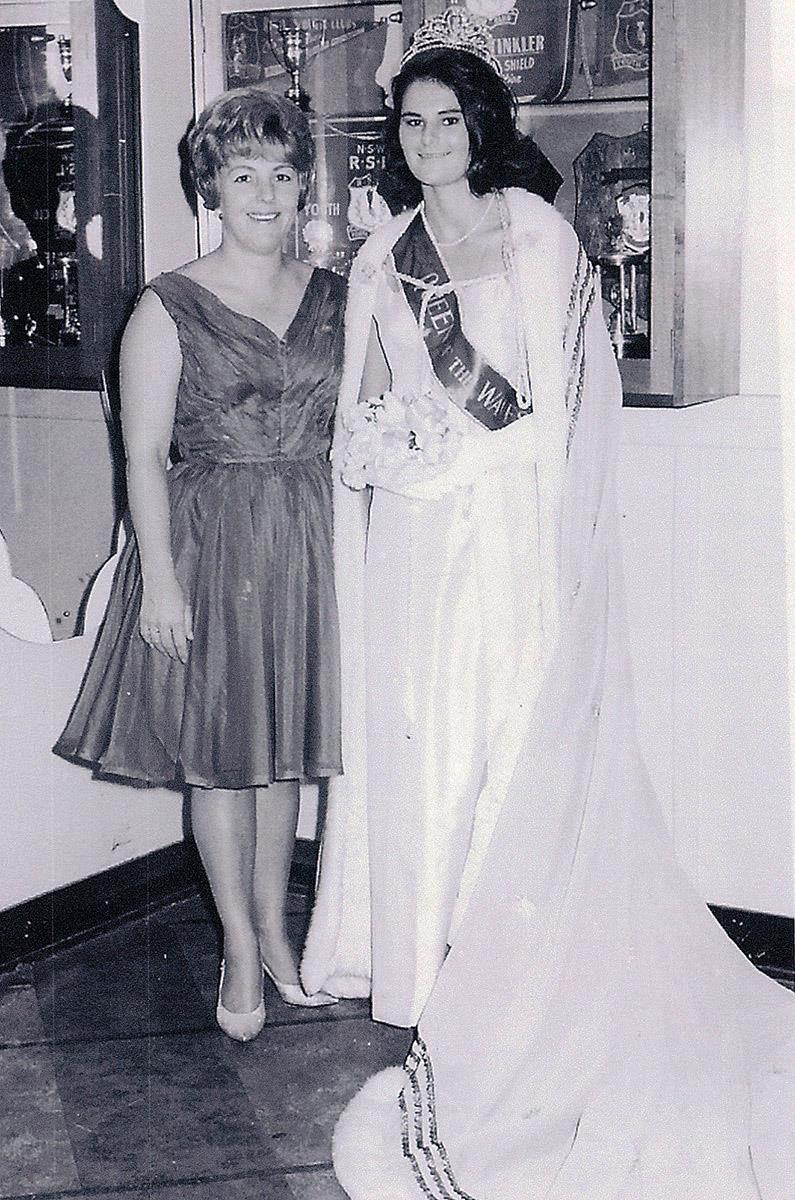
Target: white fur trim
[{"x": 366, "y": 1147}]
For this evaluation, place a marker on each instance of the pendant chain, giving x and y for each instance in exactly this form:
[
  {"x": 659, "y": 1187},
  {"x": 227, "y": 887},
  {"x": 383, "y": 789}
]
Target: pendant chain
[{"x": 469, "y": 232}]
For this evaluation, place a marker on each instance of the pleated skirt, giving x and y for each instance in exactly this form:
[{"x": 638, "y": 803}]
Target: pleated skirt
[{"x": 258, "y": 698}]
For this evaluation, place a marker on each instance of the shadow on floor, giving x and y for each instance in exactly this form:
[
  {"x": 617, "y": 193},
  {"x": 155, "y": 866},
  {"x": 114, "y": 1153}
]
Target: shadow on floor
[{"x": 117, "y": 1082}]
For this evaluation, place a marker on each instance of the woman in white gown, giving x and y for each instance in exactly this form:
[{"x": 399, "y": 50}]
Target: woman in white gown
[
  {"x": 587, "y": 1030},
  {"x": 458, "y": 576}
]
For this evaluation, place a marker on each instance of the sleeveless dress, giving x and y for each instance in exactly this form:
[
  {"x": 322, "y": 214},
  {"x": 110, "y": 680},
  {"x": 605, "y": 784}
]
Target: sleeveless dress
[
  {"x": 251, "y": 533},
  {"x": 592, "y": 1033},
  {"x": 453, "y": 586}
]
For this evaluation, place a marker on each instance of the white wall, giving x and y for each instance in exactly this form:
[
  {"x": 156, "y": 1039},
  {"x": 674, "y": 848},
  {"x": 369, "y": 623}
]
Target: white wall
[
  {"x": 700, "y": 491},
  {"x": 56, "y": 513},
  {"x": 782, "y": 48},
  {"x": 59, "y": 824},
  {"x": 702, "y": 499},
  {"x": 701, "y": 494},
  {"x": 167, "y": 108},
  {"x": 759, "y": 359}
]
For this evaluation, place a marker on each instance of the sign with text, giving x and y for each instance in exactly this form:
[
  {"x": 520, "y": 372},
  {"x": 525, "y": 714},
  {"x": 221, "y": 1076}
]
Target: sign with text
[
  {"x": 534, "y": 42},
  {"x": 624, "y": 41},
  {"x": 344, "y": 205}
]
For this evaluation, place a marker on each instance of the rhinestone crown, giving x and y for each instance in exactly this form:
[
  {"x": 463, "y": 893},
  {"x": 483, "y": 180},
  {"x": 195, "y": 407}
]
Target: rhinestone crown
[{"x": 454, "y": 29}]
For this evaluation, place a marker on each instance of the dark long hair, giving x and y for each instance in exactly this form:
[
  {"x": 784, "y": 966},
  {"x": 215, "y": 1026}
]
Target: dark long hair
[{"x": 500, "y": 155}]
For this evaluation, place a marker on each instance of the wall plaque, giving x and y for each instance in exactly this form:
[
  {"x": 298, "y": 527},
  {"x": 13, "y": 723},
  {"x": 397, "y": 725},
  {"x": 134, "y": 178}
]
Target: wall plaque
[{"x": 534, "y": 41}]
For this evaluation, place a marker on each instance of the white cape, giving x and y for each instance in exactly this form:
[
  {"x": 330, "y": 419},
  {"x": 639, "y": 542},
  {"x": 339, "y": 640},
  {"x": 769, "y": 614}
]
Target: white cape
[{"x": 592, "y": 1034}]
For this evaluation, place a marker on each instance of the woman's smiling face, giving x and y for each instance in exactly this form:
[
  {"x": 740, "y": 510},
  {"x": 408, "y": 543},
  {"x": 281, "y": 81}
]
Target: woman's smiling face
[
  {"x": 258, "y": 198},
  {"x": 433, "y": 134}
]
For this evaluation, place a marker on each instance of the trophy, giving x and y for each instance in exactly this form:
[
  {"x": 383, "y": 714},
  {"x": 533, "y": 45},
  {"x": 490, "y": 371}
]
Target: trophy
[
  {"x": 69, "y": 331},
  {"x": 627, "y": 254},
  {"x": 622, "y": 294},
  {"x": 294, "y": 42},
  {"x": 613, "y": 221}
]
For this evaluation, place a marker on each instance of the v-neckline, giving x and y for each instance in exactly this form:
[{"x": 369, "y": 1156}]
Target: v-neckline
[{"x": 246, "y": 316}]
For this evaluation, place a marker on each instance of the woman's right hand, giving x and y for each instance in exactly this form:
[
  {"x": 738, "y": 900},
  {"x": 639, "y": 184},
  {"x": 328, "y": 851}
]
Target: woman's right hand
[{"x": 166, "y": 619}]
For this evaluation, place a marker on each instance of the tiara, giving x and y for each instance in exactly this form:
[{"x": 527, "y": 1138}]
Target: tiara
[{"x": 454, "y": 29}]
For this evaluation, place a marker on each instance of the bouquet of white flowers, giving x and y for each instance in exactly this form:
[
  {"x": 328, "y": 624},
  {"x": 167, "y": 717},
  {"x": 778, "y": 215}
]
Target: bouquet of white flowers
[{"x": 393, "y": 439}]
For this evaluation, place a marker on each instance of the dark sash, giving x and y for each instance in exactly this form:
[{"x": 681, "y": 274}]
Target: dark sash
[{"x": 470, "y": 381}]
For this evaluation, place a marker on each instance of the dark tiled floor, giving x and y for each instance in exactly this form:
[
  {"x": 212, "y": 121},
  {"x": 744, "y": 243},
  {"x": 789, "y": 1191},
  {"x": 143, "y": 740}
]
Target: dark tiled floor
[{"x": 115, "y": 1081}]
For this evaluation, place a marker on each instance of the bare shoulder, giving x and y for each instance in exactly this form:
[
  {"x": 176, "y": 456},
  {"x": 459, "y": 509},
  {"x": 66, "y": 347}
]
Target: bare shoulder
[
  {"x": 150, "y": 325},
  {"x": 149, "y": 311}
]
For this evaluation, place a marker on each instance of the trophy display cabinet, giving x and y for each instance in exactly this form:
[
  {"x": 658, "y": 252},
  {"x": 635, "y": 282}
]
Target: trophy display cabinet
[
  {"x": 638, "y": 104},
  {"x": 653, "y": 182},
  {"x": 70, "y": 224}
]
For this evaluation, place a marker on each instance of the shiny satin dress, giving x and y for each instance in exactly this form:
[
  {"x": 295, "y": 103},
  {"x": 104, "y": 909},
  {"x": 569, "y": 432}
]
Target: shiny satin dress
[
  {"x": 250, "y": 511},
  {"x": 453, "y": 598},
  {"x": 592, "y": 1034}
]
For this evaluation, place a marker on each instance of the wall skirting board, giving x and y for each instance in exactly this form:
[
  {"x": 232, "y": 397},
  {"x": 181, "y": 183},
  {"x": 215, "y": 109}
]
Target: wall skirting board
[
  {"x": 91, "y": 906},
  {"x": 767, "y": 940}
]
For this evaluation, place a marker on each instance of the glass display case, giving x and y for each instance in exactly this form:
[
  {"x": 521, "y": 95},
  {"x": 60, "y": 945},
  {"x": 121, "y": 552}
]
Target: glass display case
[
  {"x": 628, "y": 99},
  {"x": 647, "y": 134},
  {"x": 336, "y": 61},
  {"x": 595, "y": 129},
  {"x": 70, "y": 238}
]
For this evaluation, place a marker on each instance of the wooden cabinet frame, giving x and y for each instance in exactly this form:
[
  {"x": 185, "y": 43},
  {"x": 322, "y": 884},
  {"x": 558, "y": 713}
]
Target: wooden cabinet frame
[{"x": 108, "y": 245}]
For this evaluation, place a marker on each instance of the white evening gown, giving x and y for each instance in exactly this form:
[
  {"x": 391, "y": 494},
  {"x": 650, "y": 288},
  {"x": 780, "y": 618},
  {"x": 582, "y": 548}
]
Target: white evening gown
[
  {"x": 453, "y": 614},
  {"x": 592, "y": 1033}
]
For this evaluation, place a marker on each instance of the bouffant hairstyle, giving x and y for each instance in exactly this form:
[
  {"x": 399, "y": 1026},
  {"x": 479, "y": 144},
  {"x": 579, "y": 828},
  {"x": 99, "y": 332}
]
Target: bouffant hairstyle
[
  {"x": 242, "y": 121},
  {"x": 500, "y": 156}
]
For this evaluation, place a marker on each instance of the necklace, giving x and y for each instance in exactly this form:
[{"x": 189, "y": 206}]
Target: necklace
[{"x": 457, "y": 241}]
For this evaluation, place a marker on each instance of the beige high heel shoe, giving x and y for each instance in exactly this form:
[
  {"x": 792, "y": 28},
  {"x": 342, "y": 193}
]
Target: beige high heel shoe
[
  {"x": 242, "y": 1027},
  {"x": 294, "y": 994}
]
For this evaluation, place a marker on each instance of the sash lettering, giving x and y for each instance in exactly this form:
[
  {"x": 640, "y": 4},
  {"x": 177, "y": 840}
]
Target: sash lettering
[{"x": 470, "y": 380}]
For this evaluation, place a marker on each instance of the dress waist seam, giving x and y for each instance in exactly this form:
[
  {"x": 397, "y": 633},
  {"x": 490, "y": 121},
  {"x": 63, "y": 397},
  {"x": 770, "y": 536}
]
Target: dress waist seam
[{"x": 320, "y": 456}]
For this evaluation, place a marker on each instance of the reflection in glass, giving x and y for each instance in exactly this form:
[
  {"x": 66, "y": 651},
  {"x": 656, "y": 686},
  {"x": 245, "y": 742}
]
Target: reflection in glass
[
  {"x": 345, "y": 54},
  {"x": 612, "y": 218},
  {"x": 336, "y": 62},
  {"x": 38, "y": 222}
]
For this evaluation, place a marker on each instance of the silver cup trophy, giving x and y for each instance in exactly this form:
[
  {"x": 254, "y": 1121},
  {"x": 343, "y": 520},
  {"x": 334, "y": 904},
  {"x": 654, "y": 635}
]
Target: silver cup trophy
[
  {"x": 294, "y": 42},
  {"x": 624, "y": 262}
]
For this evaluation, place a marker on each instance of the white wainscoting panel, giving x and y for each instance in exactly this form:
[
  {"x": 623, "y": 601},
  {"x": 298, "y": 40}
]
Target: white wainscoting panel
[{"x": 701, "y": 497}]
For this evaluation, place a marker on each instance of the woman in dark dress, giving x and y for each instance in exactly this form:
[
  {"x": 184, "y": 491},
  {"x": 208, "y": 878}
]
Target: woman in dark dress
[{"x": 217, "y": 665}]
